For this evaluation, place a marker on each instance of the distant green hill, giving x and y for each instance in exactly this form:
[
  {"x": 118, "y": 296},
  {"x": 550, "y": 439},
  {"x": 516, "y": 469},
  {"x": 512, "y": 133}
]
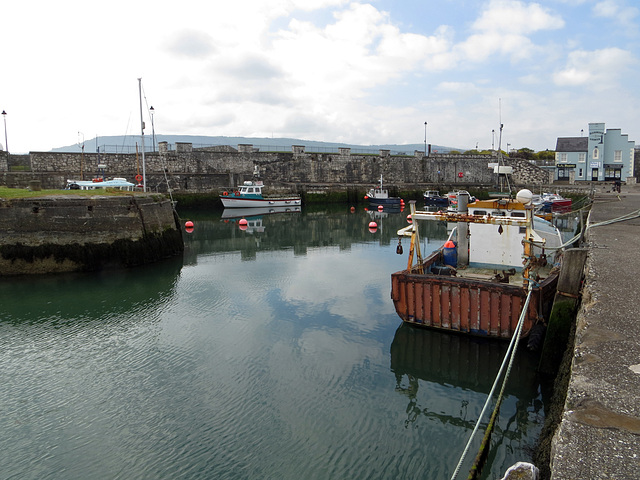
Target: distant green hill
[{"x": 127, "y": 144}]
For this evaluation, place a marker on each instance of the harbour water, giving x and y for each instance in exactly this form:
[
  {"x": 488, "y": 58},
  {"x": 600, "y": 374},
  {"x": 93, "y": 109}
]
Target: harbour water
[{"x": 272, "y": 352}]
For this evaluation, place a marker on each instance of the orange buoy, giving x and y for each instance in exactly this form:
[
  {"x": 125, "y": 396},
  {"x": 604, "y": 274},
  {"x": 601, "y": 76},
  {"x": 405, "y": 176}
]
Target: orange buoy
[
  {"x": 353, "y": 209},
  {"x": 188, "y": 224},
  {"x": 225, "y": 193},
  {"x": 366, "y": 197},
  {"x": 138, "y": 178}
]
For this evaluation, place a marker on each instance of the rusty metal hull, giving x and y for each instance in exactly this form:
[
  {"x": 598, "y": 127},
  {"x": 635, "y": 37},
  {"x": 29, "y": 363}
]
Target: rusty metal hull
[{"x": 465, "y": 305}]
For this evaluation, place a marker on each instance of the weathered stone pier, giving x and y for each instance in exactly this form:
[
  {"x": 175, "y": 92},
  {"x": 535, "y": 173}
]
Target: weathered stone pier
[{"x": 599, "y": 435}]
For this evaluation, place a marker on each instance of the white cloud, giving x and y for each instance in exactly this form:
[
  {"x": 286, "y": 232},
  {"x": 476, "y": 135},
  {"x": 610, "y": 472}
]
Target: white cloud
[
  {"x": 517, "y": 16},
  {"x": 599, "y": 69},
  {"x": 619, "y": 12},
  {"x": 502, "y": 28}
]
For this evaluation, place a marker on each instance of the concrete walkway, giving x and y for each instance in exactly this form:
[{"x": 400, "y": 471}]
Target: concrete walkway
[{"x": 599, "y": 436}]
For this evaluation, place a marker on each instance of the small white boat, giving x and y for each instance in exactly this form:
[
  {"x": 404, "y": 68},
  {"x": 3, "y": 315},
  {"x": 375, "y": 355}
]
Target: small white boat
[
  {"x": 115, "y": 183},
  {"x": 380, "y": 196},
  {"x": 249, "y": 194}
]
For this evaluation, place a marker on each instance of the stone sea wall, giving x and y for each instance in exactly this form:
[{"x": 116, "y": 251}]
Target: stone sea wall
[
  {"x": 215, "y": 169},
  {"x": 76, "y": 233}
]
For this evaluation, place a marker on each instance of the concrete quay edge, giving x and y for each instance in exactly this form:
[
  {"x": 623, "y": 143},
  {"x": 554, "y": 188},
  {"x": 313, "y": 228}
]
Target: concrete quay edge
[{"x": 599, "y": 435}]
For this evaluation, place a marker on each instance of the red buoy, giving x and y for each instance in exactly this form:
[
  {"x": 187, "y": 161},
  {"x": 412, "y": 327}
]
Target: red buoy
[
  {"x": 380, "y": 208},
  {"x": 373, "y": 225},
  {"x": 242, "y": 221},
  {"x": 409, "y": 219},
  {"x": 188, "y": 224}
]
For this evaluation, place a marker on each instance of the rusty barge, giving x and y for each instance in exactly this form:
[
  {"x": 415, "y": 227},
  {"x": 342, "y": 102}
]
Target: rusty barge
[{"x": 478, "y": 284}]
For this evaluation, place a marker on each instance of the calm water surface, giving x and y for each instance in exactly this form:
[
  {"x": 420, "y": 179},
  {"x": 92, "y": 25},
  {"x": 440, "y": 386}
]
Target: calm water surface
[{"x": 269, "y": 353}]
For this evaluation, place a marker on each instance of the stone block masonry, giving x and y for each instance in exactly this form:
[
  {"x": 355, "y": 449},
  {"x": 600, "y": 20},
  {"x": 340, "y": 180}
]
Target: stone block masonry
[
  {"x": 73, "y": 233},
  {"x": 208, "y": 169}
]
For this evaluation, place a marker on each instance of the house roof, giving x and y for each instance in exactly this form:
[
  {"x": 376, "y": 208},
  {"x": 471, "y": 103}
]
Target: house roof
[{"x": 572, "y": 144}]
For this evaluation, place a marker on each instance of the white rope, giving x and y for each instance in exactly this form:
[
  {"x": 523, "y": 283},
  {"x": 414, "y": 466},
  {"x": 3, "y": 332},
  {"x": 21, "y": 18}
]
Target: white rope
[{"x": 508, "y": 355}]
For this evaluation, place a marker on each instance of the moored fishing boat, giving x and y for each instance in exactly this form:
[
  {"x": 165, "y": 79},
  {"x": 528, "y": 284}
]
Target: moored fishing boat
[
  {"x": 249, "y": 194},
  {"x": 433, "y": 198},
  {"x": 380, "y": 196},
  {"x": 478, "y": 284}
]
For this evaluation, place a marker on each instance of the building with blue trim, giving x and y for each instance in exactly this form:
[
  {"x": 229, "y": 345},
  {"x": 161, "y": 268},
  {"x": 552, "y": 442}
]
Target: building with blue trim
[{"x": 603, "y": 156}]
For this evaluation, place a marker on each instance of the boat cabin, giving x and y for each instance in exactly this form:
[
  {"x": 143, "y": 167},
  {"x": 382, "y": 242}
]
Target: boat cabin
[{"x": 249, "y": 188}]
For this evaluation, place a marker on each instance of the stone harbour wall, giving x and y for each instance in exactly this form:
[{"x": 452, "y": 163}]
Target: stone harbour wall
[
  {"x": 215, "y": 169},
  {"x": 77, "y": 233}
]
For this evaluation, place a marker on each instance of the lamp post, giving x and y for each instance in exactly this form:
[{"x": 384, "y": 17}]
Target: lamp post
[
  {"x": 425, "y": 139},
  {"x": 493, "y": 136},
  {"x": 153, "y": 128},
  {"x": 6, "y": 144}
]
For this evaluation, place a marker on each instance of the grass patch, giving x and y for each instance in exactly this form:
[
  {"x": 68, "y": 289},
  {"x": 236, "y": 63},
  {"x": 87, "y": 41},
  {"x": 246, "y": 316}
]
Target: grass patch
[{"x": 10, "y": 193}]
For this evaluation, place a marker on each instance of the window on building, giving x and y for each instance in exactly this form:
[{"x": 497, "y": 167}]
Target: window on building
[
  {"x": 580, "y": 173},
  {"x": 612, "y": 174},
  {"x": 596, "y": 153},
  {"x": 582, "y": 157},
  {"x": 563, "y": 173},
  {"x": 563, "y": 157},
  {"x": 617, "y": 156}
]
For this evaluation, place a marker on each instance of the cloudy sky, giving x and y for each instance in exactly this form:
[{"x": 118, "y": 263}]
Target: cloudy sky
[{"x": 368, "y": 72}]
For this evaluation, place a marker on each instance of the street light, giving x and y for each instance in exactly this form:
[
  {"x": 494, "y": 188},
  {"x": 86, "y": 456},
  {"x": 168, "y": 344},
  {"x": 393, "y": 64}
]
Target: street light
[
  {"x": 6, "y": 144},
  {"x": 493, "y": 136},
  {"x": 425, "y": 139},
  {"x": 153, "y": 129}
]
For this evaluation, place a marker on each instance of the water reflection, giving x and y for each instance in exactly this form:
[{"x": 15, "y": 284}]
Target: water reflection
[
  {"x": 441, "y": 363},
  {"x": 270, "y": 354},
  {"x": 336, "y": 226}
]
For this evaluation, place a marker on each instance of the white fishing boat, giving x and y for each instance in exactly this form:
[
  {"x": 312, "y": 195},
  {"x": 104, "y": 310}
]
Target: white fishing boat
[
  {"x": 477, "y": 282},
  {"x": 249, "y": 194}
]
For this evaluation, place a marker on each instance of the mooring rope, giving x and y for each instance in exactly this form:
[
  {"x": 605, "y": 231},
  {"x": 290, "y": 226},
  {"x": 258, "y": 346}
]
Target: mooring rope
[{"x": 509, "y": 355}]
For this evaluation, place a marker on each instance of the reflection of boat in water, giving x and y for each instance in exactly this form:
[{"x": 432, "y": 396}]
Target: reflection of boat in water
[
  {"x": 380, "y": 196},
  {"x": 430, "y": 358},
  {"x": 258, "y": 211},
  {"x": 427, "y": 355},
  {"x": 478, "y": 284},
  {"x": 249, "y": 194}
]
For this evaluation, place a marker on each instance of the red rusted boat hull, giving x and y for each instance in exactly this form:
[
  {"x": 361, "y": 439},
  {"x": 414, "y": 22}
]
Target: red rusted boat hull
[{"x": 468, "y": 306}]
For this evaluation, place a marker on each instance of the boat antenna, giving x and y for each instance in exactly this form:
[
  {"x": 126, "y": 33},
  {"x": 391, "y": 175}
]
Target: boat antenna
[{"x": 501, "y": 159}]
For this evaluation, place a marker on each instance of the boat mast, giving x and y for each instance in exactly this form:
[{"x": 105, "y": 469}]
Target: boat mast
[{"x": 144, "y": 173}]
